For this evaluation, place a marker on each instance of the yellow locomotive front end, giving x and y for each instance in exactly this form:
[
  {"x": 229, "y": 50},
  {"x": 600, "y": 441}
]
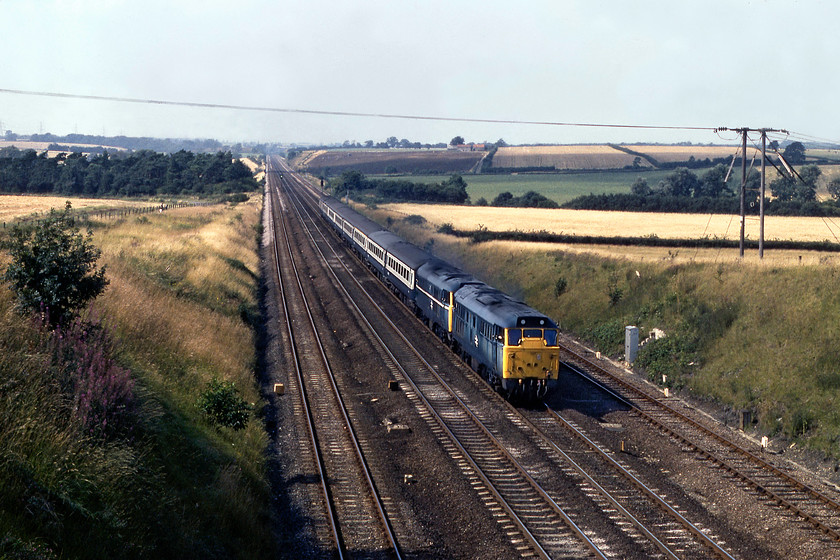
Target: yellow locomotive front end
[{"x": 531, "y": 361}]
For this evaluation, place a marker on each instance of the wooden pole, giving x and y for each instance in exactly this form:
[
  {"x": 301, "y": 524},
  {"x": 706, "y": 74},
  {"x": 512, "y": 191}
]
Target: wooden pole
[
  {"x": 761, "y": 200},
  {"x": 743, "y": 187}
]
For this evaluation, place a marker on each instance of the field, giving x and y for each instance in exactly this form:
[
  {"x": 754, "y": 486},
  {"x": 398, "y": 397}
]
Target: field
[
  {"x": 388, "y": 161},
  {"x": 560, "y": 187},
  {"x": 14, "y": 206},
  {"x": 564, "y": 157},
  {"x": 668, "y": 154},
  {"x": 626, "y": 224}
]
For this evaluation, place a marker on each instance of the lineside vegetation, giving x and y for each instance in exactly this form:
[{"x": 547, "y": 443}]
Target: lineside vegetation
[{"x": 156, "y": 477}]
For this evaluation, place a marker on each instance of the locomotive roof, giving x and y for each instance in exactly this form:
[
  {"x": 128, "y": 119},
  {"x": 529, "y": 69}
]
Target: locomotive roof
[
  {"x": 443, "y": 275},
  {"x": 410, "y": 255},
  {"x": 499, "y": 308}
]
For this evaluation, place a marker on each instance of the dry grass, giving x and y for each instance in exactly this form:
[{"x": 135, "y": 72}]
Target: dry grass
[
  {"x": 563, "y": 157},
  {"x": 625, "y": 224},
  {"x": 146, "y": 259},
  {"x": 13, "y": 206}
]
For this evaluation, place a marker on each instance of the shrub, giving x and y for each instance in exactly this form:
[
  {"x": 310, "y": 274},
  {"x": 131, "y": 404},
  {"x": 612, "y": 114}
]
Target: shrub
[
  {"x": 221, "y": 404},
  {"x": 415, "y": 219},
  {"x": 446, "y": 228},
  {"x": 608, "y": 336},
  {"x": 560, "y": 286}
]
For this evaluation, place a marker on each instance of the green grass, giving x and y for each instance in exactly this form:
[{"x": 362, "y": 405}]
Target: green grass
[{"x": 560, "y": 187}]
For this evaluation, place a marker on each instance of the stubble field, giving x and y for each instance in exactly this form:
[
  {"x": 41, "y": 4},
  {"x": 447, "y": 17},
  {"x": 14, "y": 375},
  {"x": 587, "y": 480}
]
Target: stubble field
[{"x": 13, "y": 207}]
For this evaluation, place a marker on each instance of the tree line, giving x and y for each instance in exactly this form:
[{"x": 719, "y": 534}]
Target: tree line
[
  {"x": 142, "y": 173},
  {"x": 452, "y": 191}
]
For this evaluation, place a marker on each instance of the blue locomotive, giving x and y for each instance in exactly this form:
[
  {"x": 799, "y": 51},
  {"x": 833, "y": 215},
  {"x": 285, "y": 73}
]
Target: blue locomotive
[{"x": 514, "y": 347}]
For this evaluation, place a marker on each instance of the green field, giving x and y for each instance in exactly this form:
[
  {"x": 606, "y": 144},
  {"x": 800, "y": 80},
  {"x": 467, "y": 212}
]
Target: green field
[{"x": 560, "y": 187}]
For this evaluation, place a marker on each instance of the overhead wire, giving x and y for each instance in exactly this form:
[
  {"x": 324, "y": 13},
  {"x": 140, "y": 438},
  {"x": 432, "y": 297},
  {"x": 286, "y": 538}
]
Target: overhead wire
[{"x": 344, "y": 113}]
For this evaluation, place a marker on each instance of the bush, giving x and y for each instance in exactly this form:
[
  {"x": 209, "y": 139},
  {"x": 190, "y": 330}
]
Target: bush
[
  {"x": 53, "y": 266},
  {"x": 221, "y": 404}
]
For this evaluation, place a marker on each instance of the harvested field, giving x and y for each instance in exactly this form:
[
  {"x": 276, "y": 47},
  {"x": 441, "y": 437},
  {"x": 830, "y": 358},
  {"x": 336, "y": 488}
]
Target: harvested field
[
  {"x": 390, "y": 161},
  {"x": 772, "y": 258},
  {"x": 626, "y": 224},
  {"x": 14, "y": 206},
  {"x": 564, "y": 157},
  {"x": 669, "y": 154}
]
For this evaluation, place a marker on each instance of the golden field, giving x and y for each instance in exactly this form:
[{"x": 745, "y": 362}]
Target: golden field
[
  {"x": 667, "y": 154},
  {"x": 564, "y": 157},
  {"x": 13, "y": 206},
  {"x": 636, "y": 224}
]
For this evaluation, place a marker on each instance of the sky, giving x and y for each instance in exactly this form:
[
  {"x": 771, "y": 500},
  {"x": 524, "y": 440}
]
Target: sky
[{"x": 661, "y": 63}]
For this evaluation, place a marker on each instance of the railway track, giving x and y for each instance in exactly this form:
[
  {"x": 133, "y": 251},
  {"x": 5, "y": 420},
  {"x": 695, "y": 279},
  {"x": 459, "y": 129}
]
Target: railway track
[
  {"x": 657, "y": 529},
  {"x": 354, "y": 519},
  {"x": 813, "y": 506}
]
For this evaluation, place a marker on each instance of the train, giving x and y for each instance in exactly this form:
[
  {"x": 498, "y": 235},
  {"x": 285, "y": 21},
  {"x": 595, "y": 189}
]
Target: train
[{"x": 514, "y": 347}]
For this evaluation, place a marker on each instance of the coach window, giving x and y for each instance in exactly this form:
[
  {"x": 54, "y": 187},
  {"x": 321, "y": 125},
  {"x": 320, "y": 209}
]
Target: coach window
[{"x": 514, "y": 337}]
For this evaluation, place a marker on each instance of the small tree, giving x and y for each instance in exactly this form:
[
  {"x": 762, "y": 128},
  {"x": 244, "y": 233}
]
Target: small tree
[
  {"x": 457, "y": 141},
  {"x": 834, "y": 188},
  {"x": 794, "y": 153},
  {"x": 640, "y": 187},
  {"x": 54, "y": 266}
]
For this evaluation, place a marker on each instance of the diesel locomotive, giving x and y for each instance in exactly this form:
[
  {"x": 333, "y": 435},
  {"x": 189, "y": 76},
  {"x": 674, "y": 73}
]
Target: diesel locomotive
[{"x": 512, "y": 346}]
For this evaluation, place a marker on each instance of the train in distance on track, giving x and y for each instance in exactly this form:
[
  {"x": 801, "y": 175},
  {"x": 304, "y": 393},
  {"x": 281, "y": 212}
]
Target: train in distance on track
[{"x": 512, "y": 346}]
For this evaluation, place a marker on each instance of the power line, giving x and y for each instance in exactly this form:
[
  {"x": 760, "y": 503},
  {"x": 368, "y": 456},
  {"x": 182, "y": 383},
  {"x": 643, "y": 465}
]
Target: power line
[{"x": 342, "y": 113}]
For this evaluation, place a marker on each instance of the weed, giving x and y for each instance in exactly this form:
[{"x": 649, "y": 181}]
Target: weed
[{"x": 560, "y": 287}]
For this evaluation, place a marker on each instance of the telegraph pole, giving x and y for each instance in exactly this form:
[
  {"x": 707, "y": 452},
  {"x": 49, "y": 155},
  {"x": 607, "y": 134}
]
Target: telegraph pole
[
  {"x": 743, "y": 189},
  {"x": 761, "y": 199},
  {"x": 743, "y": 132}
]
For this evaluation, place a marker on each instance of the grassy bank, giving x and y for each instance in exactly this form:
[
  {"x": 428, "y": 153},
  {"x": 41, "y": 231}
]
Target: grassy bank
[
  {"x": 180, "y": 305},
  {"x": 750, "y": 336}
]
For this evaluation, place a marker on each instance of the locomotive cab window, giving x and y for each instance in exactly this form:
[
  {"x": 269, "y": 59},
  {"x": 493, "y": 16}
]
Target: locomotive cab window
[
  {"x": 532, "y": 333},
  {"x": 514, "y": 337},
  {"x": 550, "y": 337}
]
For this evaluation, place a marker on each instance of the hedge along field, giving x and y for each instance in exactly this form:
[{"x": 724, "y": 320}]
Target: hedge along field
[
  {"x": 749, "y": 335},
  {"x": 180, "y": 306},
  {"x": 560, "y": 187}
]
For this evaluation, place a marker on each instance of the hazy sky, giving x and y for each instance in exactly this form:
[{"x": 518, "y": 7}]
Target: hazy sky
[{"x": 647, "y": 62}]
